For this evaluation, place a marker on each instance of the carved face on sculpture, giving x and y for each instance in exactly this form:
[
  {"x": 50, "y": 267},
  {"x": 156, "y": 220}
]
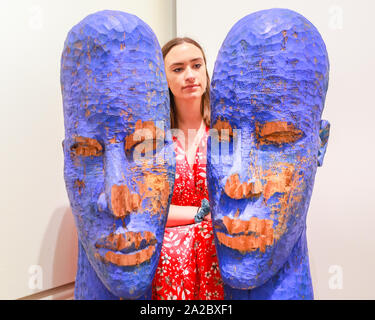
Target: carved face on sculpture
[
  {"x": 116, "y": 105},
  {"x": 268, "y": 91}
]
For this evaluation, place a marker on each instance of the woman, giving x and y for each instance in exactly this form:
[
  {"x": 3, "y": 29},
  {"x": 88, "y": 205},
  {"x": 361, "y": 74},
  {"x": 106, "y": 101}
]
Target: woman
[{"x": 188, "y": 267}]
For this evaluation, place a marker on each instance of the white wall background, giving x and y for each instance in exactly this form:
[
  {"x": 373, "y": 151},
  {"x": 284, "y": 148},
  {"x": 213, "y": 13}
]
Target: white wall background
[
  {"x": 341, "y": 218},
  {"x": 37, "y": 234}
]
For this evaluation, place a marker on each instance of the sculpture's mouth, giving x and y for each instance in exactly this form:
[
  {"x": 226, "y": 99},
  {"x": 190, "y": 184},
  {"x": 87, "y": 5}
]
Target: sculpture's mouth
[
  {"x": 127, "y": 249},
  {"x": 246, "y": 235}
]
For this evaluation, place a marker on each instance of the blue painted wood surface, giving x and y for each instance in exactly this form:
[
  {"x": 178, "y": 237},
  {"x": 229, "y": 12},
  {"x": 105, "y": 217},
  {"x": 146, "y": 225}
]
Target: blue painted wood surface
[
  {"x": 119, "y": 184},
  {"x": 268, "y": 91}
]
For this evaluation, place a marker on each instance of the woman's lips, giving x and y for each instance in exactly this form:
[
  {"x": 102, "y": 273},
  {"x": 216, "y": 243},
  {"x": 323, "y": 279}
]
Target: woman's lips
[
  {"x": 247, "y": 236},
  {"x": 129, "y": 249},
  {"x": 193, "y": 86}
]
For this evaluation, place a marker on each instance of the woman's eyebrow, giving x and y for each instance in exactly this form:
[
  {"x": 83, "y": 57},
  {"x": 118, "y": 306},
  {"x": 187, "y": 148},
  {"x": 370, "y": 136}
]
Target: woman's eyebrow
[
  {"x": 182, "y": 63},
  {"x": 196, "y": 59},
  {"x": 176, "y": 64}
]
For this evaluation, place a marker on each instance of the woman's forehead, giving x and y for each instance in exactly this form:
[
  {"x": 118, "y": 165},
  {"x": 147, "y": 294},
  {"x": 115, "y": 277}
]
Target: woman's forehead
[{"x": 183, "y": 53}]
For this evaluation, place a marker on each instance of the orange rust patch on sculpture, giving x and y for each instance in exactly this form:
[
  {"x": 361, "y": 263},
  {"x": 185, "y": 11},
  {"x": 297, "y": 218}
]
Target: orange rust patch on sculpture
[
  {"x": 254, "y": 225},
  {"x": 155, "y": 187},
  {"x": 237, "y": 190},
  {"x": 287, "y": 183},
  {"x": 80, "y": 185},
  {"x": 86, "y": 147},
  {"x": 278, "y": 182},
  {"x": 140, "y": 136},
  {"x": 245, "y": 243},
  {"x": 220, "y": 126},
  {"x": 260, "y": 65},
  {"x": 277, "y": 132},
  {"x": 118, "y": 242},
  {"x": 78, "y": 45},
  {"x": 285, "y": 40},
  {"x": 130, "y": 259},
  {"x": 291, "y": 196},
  {"x": 123, "y": 202},
  {"x": 112, "y": 141},
  {"x": 258, "y": 233}
]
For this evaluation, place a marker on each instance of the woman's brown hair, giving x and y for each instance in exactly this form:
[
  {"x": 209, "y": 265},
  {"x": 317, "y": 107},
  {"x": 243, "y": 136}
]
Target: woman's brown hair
[{"x": 205, "y": 103}]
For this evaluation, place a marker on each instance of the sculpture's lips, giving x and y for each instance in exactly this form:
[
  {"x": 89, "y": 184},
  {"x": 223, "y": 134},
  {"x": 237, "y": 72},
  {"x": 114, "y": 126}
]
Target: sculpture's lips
[
  {"x": 128, "y": 249},
  {"x": 246, "y": 235}
]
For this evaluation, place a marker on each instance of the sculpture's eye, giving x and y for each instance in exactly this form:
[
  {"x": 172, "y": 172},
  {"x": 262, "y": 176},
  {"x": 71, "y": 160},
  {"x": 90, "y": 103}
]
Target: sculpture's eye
[
  {"x": 222, "y": 130},
  {"x": 277, "y": 133},
  {"x": 143, "y": 144},
  {"x": 143, "y": 149},
  {"x": 86, "y": 147},
  {"x": 223, "y": 141}
]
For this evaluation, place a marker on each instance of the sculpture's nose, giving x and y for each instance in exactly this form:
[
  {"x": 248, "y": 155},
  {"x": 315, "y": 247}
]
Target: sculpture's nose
[
  {"x": 236, "y": 189},
  {"x": 123, "y": 201},
  {"x": 120, "y": 199},
  {"x": 102, "y": 202},
  {"x": 243, "y": 180}
]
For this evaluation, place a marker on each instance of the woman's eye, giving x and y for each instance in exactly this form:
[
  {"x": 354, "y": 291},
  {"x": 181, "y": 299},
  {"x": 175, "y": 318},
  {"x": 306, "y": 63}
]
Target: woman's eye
[
  {"x": 197, "y": 66},
  {"x": 177, "y": 70}
]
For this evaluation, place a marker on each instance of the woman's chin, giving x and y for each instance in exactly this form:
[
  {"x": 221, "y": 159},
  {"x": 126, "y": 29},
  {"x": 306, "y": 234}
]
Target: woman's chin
[{"x": 191, "y": 95}]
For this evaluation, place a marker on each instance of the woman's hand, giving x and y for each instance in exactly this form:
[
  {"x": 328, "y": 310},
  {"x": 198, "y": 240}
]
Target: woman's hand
[
  {"x": 203, "y": 211},
  {"x": 207, "y": 217}
]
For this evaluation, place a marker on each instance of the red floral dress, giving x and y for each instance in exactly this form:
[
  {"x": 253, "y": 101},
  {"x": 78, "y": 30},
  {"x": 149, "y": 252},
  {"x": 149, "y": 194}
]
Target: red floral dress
[{"x": 188, "y": 268}]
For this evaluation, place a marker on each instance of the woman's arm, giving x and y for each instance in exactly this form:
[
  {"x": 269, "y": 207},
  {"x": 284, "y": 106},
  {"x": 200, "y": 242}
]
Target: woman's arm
[{"x": 181, "y": 215}]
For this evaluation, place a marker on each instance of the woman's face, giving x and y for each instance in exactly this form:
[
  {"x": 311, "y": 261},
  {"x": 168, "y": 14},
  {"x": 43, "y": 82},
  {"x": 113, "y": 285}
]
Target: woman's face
[{"x": 186, "y": 71}]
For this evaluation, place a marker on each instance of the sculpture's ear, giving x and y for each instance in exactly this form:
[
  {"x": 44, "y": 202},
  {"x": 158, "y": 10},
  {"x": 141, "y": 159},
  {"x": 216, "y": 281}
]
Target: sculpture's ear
[{"x": 323, "y": 135}]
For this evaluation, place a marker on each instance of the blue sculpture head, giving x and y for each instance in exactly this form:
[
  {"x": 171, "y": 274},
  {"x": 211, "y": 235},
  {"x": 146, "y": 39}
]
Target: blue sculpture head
[
  {"x": 118, "y": 179},
  {"x": 268, "y": 92}
]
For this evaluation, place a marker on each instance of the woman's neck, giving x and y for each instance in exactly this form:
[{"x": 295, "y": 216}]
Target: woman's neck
[
  {"x": 188, "y": 114},
  {"x": 191, "y": 126}
]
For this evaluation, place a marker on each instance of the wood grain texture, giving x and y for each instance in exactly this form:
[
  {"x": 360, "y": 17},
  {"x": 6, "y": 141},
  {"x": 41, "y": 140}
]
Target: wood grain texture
[
  {"x": 119, "y": 165},
  {"x": 269, "y": 86}
]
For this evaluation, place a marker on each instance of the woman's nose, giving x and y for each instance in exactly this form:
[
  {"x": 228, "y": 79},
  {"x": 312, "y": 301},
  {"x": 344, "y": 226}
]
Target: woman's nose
[{"x": 189, "y": 75}]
